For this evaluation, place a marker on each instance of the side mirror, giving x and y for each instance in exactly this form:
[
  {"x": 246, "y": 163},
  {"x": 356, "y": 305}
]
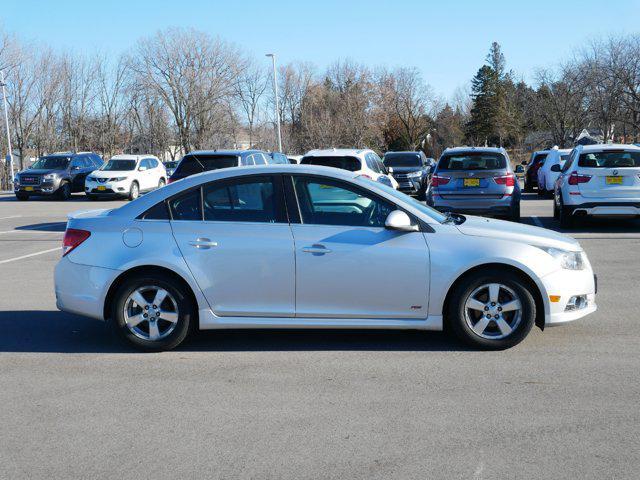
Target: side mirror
[
  {"x": 556, "y": 168},
  {"x": 142, "y": 169},
  {"x": 399, "y": 220},
  {"x": 390, "y": 169},
  {"x": 519, "y": 169}
]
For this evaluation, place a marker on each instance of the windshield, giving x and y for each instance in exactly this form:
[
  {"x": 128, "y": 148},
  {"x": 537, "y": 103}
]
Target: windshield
[
  {"x": 473, "y": 161},
  {"x": 345, "y": 163},
  {"x": 119, "y": 165},
  {"x": 430, "y": 212},
  {"x": 610, "y": 159},
  {"x": 408, "y": 159},
  {"x": 192, "y": 164},
  {"x": 51, "y": 163}
]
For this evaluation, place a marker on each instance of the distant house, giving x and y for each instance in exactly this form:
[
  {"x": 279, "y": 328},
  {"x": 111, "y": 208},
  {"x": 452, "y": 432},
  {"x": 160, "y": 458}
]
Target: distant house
[{"x": 589, "y": 136}]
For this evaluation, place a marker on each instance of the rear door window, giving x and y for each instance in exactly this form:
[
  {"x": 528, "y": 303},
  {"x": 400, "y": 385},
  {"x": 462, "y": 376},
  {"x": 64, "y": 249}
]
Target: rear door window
[
  {"x": 186, "y": 206},
  {"x": 251, "y": 199},
  {"x": 192, "y": 164}
]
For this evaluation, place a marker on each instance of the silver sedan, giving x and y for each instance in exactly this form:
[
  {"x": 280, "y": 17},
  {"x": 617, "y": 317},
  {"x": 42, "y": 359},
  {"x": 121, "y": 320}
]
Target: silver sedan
[{"x": 313, "y": 247}]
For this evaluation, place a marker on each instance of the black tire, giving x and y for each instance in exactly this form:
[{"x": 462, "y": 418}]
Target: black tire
[
  {"x": 456, "y": 315},
  {"x": 134, "y": 191},
  {"x": 64, "y": 191},
  {"x": 162, "y": 183},
  {"x": 565, "y": 217},
  {"x": 556, "y": 213},
  {"x": 186, "y": 312},
  {"x": 22, "y": 196},
  {"x": 515, "y": 213},
  {"x": 527, "y": 186},
  {"x": 541, "y": 192},
  {"x": 91, "y": 197},
  {"x": 422, "y": 195}
]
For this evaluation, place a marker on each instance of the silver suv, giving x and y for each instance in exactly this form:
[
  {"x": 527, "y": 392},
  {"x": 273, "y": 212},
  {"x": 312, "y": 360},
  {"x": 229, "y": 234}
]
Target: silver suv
[{"x": 476, "y": 181}]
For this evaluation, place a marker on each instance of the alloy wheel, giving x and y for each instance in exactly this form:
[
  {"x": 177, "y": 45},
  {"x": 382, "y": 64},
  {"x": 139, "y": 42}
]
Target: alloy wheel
[
  {"x": 151, "y": 313},
  {"x": 493, "y": 311}
]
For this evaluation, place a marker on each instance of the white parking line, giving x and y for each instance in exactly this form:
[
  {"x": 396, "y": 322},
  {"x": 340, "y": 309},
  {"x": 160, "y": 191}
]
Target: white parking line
[
  {"x": 15, "y": 259},
  {"x": 10, "y": 216},
  {"x": 537, "y": 221}
]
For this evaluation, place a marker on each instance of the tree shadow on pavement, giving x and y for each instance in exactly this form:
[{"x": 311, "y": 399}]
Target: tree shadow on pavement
[{"x": 59, "y": 332}]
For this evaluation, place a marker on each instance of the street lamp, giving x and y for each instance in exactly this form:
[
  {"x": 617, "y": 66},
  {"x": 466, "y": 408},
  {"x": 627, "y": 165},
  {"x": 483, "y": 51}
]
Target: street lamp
[
  {"x": 6, "y": 124},
  {"x": 275, "y": 89}
]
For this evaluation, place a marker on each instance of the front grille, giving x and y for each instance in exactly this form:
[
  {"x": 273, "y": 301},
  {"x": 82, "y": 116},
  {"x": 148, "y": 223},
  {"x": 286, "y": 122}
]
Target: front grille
[
  {"x": 405, "y": 184},
  {"x": 30, "y": 179}
]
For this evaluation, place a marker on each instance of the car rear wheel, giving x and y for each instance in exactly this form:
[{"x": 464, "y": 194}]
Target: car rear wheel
[
  {"x": 492, "y": 310},
  {"x": 134, "y": 191},
  {"x": 565, "y": 216},
  {"x": 515, "y": 213},
  {"x": 152, "y": 312}
]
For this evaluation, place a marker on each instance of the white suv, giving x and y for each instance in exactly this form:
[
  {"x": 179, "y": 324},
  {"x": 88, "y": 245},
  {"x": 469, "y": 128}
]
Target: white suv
[
  {"x": 126, "y": 176},
  {"x": 547, "y": 177},
  {"x": 598, "y": 180},
  {"x": 364, "y": 162}
]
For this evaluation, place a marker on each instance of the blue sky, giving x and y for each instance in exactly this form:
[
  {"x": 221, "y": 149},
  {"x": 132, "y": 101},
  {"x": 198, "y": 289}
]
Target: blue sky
[{"x": 446, "y": 40}]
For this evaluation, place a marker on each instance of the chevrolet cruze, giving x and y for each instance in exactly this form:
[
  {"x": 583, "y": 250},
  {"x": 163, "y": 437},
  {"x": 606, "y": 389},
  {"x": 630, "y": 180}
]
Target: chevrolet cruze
[{"x": 313, "y": 247}]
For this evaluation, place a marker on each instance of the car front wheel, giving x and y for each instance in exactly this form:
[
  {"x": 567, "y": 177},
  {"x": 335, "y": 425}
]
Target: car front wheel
[
  {"x": 152, "y": 312},
  {"x": 492, "y": 310},
  {"x": 134, "y": 191},
  {"x": 22, "y": 196}
]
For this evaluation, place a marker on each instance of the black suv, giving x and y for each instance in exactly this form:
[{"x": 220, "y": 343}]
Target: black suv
[
  {"x": 412, "y": 171},
  {"x": 59, "y": 174}
]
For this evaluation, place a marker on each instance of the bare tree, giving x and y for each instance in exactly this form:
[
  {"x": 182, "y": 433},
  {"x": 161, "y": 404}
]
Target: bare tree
[{"x": 249, "y": 91}]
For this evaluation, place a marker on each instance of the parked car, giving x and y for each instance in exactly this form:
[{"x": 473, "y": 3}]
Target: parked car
[
  {"x": 598, "y": 181},
  {"x": 475, "y": 180},
  {"x": 531, "y": 173},
  {"x": 206, "y": 160},
  {"x": 412, "y": 171},
  {"x": 126, "y": 176},
  {"x": 313, "y": 247},
  {"x": 59, "y": 174},
  {"x": 547, "y": 177},
  {"x": 278, "y": 158},
  {"x": 170, "y": 167},
  {"x": 364, "y": 162}
]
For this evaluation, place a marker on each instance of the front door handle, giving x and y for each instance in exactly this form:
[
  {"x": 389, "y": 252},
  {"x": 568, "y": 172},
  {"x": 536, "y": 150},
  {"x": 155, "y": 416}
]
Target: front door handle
[
  {"x": 203, "y": 243},
  {"x": 316, "y": 249}
]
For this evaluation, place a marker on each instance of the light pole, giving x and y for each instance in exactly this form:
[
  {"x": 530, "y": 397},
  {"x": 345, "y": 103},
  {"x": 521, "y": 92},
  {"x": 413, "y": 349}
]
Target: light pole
[
  {"x": 6, "y": 124},
  {"x": 275, "y": 90}
]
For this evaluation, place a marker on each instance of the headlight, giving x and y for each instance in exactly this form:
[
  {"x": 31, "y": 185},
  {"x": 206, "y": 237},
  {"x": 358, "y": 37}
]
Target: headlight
[
  {"x": 49, "y": 176},
  {"x": 117, "y": 179},
  {"x": 16, "y": 180},
  {"x": 91, "y": 179},
  {"x": 568, "y": 260},
  {"x": 414, "y": 174}
]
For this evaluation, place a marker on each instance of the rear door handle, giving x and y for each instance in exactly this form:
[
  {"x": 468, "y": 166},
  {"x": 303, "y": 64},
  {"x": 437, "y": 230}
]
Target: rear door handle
[
  {"x": 316, "y": 249},
  {"x": 203, "y": 243}
]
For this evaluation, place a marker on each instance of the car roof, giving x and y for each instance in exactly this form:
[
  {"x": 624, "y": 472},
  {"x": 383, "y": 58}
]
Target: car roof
[
  {"x": 126, "y": 156},
  {"x": 338, "y": 152},
  {"x": 475, "y": 149},
  {"x": 145, "y": 202},
  {"x": 224, "y": 152},
  {"x": 609, "y": 146}
]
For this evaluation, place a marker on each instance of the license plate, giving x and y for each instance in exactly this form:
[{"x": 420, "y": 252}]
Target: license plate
[
  {"x": 614, "y": 180},
  {"x": 101, "y": 189},
  {"x": 471, "y": 182},
  {"x": 28, "y": 189}
]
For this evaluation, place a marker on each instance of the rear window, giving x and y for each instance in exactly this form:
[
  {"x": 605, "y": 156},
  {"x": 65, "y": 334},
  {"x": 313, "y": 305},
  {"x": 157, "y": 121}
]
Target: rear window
[
  {"x": 609, "y": 159},
  {"x": 402, "y": 160},
  {"x": 345, "y": 163},
  {"x": 473, "y": 161},
  {"x": 192, "y": 164}
]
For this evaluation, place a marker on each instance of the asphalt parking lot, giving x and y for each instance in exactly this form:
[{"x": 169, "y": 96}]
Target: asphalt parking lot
[{"x": 324, "y": 404}]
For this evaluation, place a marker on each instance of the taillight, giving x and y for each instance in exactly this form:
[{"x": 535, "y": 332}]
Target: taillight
[
  {"x": 576, "y": 178},
  {"x": 438, "y": 180},
  {"x": 72, "y": 238},
  {"x": 509, "y": 180}
]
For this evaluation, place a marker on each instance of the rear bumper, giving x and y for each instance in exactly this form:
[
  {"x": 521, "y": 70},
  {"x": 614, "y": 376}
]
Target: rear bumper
[
  {"x": 603, "y": 208},
  {"x": 81, "y": 289},
  {"x": 473, "y": 205}
]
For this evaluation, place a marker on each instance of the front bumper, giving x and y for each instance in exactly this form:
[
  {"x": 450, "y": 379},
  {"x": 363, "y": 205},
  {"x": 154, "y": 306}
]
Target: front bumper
[
  {"x": 566, "y": 284},
  {"x": 44, "y": 188},
  {"x": 107, "y": 188},
  {"x": 81, "y": 289},
  {"x": 410, "y": 185}
]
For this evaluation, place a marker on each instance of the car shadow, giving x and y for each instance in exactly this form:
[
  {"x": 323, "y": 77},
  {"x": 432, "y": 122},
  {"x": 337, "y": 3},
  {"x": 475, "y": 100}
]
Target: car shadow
[
  {"x": 59, "y": 332},
  {"x": 44, "y": 227}
]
